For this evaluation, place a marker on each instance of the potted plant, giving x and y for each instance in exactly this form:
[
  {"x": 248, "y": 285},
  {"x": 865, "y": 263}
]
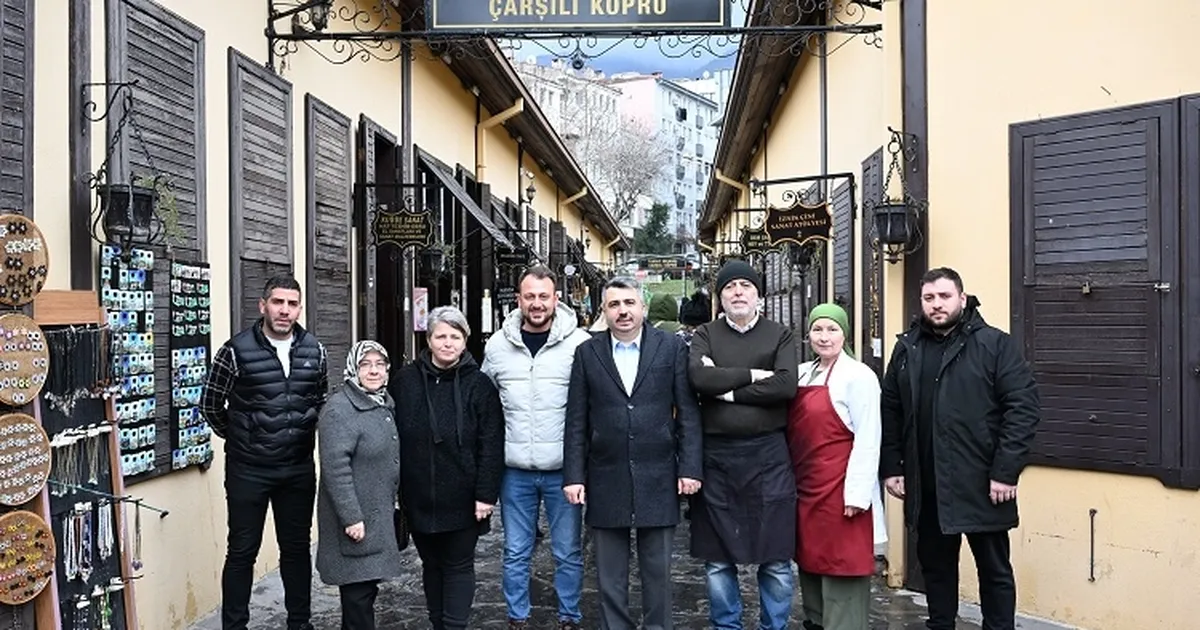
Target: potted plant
[{"x": 166, "y": 208}]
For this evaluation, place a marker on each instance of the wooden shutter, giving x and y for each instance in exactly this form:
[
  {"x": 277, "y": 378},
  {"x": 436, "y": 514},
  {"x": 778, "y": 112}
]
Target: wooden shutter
[
  {"x": 1095, "y": 230},
  {"x": 260, "y": 178},
  {"x": 329, "y": 209},
  {"x": 842, "y": 203},
  {"x": 872, "y": 267},
  {"x": 16, "y": 115},
  {"x": 544, "y": 238},
  {"x": 164, "y": 54}
]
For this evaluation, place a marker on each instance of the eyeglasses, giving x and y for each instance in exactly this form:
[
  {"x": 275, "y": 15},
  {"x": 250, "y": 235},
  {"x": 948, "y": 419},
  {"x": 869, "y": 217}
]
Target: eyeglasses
[{"x": 379, "y": 365}]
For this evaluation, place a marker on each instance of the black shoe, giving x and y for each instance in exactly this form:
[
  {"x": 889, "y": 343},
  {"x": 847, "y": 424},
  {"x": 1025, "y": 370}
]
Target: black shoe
[{"x": 303, "y": 626}]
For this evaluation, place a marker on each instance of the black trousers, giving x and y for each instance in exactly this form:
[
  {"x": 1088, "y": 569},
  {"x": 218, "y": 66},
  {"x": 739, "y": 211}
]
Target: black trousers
[
  {"x": 612, "y": 572},
  {"x": 938, "y": 554},
  {"x": 290, "y": 492},
  {"x": 358, "y": 605},
  {"x": 448, "y": 575}
]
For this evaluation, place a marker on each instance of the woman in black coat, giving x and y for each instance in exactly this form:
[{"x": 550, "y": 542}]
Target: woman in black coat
[{"x": 451, "y": 429}]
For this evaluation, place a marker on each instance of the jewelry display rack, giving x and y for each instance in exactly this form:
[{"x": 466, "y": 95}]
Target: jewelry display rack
[
  {"x": 97, "y": 557},
  {"x": 51, "y": 338}
]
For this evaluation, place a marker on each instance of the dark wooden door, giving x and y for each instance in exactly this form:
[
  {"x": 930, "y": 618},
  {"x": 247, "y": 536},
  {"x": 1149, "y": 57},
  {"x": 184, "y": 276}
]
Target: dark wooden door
[
  {"x": 874, "y": 346},
  {"x": 1096, "y": 284},
  {"x": 382, "y": 284},
  {"x": 842, "y": 207}
]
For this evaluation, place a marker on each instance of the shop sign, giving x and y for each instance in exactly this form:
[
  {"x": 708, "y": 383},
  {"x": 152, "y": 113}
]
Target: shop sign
[
  {"x": 755, "y": 240},
  {"x": 403, "y": 228},
  {"x": 798, "y": 224},
  {"x": 557, "y": 15}
]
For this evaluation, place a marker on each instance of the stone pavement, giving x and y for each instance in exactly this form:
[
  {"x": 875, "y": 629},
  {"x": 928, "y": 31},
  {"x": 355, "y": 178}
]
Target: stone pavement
[{"x": 401, "y": 603}]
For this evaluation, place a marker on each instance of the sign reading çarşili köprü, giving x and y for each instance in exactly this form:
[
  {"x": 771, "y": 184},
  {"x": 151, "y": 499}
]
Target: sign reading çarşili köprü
[
  {"x": 517, "y": 15},
  {"x": 798, "y": 223},
  {"x": 402, "y": 229}
]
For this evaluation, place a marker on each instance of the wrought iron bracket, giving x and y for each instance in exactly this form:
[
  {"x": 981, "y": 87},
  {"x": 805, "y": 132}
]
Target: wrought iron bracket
[{"x": 373, "y": 32}]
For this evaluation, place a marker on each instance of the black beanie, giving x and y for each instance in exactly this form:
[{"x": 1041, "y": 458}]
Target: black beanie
[{"x": 738, "y": 270}]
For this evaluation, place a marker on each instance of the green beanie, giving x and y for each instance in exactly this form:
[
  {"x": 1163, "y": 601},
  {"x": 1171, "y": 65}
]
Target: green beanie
[{"x": 832, "y": 311}]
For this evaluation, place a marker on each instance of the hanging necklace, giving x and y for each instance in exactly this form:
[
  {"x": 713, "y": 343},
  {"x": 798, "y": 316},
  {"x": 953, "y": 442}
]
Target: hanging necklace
[
  {"x": 93, "y": 456},
  {"x": 105, "y": 529},
  {"x": 85, "y": 547},
  {"x": 137, "y": 536},
  {"x": 83, "y": 613},
  {"x": 17, "y": 622},
  {"x": 70, "y": 558}
]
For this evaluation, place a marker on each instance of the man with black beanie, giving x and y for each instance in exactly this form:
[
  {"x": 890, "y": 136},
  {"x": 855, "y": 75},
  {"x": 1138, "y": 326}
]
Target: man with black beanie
[{"x": 743, "y": 366}]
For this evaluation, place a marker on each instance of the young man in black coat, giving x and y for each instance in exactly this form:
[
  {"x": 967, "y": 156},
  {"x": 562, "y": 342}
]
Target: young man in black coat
[
  {"x": 631, "y": 446},
  {"x": 960, "y": 409}
]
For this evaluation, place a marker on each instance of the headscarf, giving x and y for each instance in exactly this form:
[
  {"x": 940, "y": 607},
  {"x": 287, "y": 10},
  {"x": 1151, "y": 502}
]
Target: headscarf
[
  {"x": 356, "y": 354},
  {"x": 836, "y": 313}
]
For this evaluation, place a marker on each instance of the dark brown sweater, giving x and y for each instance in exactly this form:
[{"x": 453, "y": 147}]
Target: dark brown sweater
[{"x": 758, "y": 407}]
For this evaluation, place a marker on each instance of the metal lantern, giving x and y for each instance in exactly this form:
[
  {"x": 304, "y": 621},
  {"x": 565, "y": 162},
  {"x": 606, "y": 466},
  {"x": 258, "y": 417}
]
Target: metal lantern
[
  {"x": 127, "y": 210},
  {"x": 319, "y": 13},
  {"x": 892, "y": 223}
]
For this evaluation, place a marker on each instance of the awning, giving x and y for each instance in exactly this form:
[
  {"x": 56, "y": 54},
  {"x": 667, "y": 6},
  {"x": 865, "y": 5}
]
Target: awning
[{"x": 464, "y": 198}]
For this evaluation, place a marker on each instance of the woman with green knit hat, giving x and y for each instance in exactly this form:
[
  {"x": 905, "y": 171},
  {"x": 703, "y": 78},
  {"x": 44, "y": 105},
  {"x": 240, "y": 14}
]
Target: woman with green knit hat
[{"x": 834, "y": 431}]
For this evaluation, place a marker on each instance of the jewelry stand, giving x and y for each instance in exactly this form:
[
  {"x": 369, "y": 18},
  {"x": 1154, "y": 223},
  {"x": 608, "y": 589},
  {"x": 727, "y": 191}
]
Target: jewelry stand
[{"x": 79, "y": 308}]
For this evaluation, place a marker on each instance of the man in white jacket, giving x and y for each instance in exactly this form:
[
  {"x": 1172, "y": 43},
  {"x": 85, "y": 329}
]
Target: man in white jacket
[{"x": 530, "y": 362}]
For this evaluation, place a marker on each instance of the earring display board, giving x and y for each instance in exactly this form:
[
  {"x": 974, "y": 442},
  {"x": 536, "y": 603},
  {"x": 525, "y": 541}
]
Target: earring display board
[
  {"x": 127, "y": 293},
  {"x": 191, "y": 329},
  {"x": 26, "y": 260},
  {"x": 26, "y": 556},
  {"x": 24, "y": 459},
  {"x": 24, "y": 361}
]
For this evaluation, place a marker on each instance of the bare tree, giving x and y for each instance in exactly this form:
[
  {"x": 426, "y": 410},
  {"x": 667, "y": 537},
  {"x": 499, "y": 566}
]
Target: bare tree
[{"x": 622, "y": 156}]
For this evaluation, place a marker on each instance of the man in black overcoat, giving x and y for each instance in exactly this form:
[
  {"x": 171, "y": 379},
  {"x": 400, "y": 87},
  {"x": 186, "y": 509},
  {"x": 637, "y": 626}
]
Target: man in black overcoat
[
  {"x": 960, "y": 412},
  {"x": 632, "y": 445}
]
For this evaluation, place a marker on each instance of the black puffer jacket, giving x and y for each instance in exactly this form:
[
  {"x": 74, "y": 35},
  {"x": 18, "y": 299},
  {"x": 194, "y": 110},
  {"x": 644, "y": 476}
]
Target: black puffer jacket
[
  {"x": 985, "y": 415},
  {"x": 273, "y": 419},
  {"x": 451, "y": 429}
]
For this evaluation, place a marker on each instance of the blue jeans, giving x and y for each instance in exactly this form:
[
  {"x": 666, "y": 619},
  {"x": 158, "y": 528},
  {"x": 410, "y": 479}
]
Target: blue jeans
[
  {"x": 725, "y": 599},
  {"x": 521, "y": 495}
]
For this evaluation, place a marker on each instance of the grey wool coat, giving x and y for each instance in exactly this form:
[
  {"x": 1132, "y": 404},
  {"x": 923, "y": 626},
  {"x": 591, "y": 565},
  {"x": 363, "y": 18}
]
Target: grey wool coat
[
  {"x": 629, "y": 450},
  {"x": 360, "y": 476}
]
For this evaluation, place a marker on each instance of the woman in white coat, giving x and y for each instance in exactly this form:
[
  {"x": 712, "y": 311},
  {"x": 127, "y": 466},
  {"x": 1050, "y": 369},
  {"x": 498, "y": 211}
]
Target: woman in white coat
[{"x": 834, "y": 432}]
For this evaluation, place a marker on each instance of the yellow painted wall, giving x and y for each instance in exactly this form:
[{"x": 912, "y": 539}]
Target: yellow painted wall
[
  {"x": 1071, "y": 56},
  {"x": 443, "y": 121},
  {"x": 173, "y": 593}
]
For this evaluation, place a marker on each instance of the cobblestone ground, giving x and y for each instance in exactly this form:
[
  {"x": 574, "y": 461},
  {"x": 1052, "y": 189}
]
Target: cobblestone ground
[{"x": 401, "y": 603}]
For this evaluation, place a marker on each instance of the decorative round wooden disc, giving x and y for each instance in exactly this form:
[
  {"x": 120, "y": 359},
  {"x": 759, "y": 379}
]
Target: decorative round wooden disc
[
  {"x": 26, "y": 556},
  {"x": 24, "y": 458},
  {"x": 24, "y": 359},
  {"x": 24, "y": 260}
]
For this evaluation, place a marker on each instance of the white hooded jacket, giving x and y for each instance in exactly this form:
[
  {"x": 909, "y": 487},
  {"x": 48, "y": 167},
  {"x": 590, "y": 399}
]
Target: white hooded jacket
[{"x": 533, "y": 390}]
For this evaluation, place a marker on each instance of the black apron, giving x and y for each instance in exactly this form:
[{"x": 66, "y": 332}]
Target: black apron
[{"x": 745, "y": 512}]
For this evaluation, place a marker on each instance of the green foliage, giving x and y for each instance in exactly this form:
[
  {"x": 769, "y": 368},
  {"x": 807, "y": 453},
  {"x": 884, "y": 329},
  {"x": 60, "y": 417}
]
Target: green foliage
[{"x": 654, "y": 237}]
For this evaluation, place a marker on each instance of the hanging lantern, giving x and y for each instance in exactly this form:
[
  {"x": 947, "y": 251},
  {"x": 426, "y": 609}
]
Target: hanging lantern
[{"x": 127, "y": 210}]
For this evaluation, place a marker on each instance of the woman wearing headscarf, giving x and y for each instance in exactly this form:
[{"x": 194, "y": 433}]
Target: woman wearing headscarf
[
  {"x": 834, "y": 431},
  {"x": 452, "y": 442},
  {"x": 360, "y": 475}
]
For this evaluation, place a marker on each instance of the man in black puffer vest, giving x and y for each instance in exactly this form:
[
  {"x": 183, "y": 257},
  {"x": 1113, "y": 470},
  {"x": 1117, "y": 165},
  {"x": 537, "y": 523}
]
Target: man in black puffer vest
[{"x": 263, "y": 394}]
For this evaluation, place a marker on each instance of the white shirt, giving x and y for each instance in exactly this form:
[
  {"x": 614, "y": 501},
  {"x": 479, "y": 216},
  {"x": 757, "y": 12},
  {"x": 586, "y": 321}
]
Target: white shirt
[
  {"x": 626, "y": 356},
  {"x": 854, "y": 389},
  {"x": 283, "y": 348}
]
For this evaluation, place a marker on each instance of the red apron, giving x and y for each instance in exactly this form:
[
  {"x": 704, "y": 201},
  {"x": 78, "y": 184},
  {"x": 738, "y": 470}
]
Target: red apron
[{"x": 827, "y": 543}]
